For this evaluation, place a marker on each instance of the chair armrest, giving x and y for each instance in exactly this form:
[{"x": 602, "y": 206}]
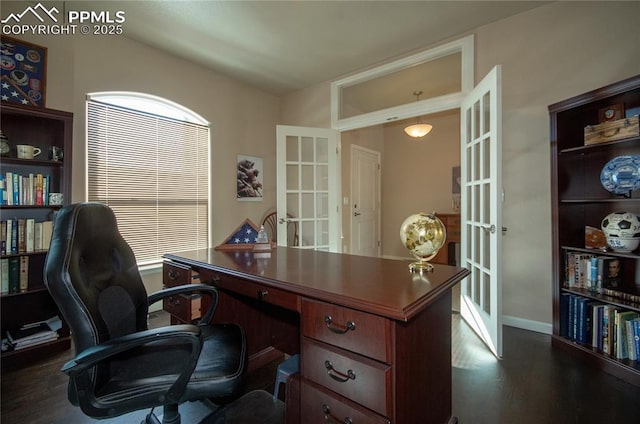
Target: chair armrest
[
  {"x": 85, "y": 360},
  {"x": 190, "y": 288},
  {"x": 95, "y": 354}
]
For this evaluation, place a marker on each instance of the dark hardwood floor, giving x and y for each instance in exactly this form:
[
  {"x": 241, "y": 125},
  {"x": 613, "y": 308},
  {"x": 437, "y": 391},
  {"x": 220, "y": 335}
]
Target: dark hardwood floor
[{"x": 532, "y": 384}]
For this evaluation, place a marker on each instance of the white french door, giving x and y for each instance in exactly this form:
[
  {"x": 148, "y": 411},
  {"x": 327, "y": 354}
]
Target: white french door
[
  {"x": 481, "y": 175},
  {"x": 307, "y": 161}
]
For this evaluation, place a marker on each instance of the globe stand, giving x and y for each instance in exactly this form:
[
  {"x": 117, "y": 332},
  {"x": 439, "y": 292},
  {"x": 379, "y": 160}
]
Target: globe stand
[
  {"x": 420, "y": 267},
  {"x": 422, "y": 264}
]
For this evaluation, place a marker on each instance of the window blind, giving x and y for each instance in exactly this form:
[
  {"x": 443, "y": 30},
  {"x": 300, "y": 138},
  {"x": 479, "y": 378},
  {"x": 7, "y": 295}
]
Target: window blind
[{"x": 154, "y": 174}]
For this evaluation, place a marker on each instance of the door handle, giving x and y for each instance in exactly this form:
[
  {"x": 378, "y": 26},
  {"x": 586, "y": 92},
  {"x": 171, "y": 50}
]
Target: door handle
[
  {"x": 489, "y": 228},
  {"x": 357, "y": 214},
  {"x": 492, "y": 229}
]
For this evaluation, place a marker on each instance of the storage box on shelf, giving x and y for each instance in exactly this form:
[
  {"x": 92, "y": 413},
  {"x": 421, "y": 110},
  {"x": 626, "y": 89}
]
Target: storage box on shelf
[
  {"x": 590, "y": 312},
  {"x": 25, "y": 207}
]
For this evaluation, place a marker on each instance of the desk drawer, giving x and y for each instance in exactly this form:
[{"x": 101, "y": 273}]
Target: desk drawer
[
  {"x": 183, "y": 306},
  {"x": 356, "y": 331},
  {"x": 319, "y": 406},
  {"x": 175, "y": 274},
  {"x": 257, "y": 291},
  {"x": 355, "y": 377}
]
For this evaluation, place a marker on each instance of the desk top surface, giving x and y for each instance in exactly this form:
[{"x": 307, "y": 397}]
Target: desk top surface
[{"x": 381, "y": 286}]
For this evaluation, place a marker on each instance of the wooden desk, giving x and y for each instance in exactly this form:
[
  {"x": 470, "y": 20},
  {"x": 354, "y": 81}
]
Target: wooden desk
[{"x": 374, "y": 339}]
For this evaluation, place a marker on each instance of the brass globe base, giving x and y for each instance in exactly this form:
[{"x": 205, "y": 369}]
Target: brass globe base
[{"x": 420, "y": 267}]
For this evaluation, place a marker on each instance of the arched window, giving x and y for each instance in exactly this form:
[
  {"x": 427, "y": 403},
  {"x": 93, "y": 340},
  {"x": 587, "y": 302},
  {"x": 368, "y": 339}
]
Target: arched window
[{"x": 148, "y": 159}]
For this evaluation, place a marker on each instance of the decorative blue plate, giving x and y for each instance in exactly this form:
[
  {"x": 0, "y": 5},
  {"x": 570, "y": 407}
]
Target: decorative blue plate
[{"x": 621, "y": 174}]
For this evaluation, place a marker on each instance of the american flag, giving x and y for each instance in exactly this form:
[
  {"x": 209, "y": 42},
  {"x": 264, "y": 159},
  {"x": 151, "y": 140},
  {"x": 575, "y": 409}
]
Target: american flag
[
  {"x": 9, "y": 92},
  {"x": 245, "y": 234}
]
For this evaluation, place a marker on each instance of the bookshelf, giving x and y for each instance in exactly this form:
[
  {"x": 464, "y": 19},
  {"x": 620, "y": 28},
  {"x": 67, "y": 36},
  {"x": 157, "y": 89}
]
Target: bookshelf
[
  {"x": 44, "y": 129},
  {"x": 579, "y": 199}
]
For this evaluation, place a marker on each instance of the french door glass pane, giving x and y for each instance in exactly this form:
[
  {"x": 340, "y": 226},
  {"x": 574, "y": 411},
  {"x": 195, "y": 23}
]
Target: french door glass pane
[
  {"x": 292, "y": 149},
  {"x": 292, "y": 177},
  {"x": 322, "y": 150},
  {"x": 307, "y": 149}
]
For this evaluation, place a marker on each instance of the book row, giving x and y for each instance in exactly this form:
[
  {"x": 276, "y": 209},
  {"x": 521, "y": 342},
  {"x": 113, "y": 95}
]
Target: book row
[
  {"x": 597, "y": 273},
  {"x": 14, "y": 274},
  {"x": 612, "y": 330},
  {"x": 30, "y": 190},
  {"x": 24, "y": 235}
]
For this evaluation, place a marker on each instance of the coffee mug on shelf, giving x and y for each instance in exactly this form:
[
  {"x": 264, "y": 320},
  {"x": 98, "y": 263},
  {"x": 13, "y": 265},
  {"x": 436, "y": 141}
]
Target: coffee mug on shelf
[{"x": 26, "y": 151}]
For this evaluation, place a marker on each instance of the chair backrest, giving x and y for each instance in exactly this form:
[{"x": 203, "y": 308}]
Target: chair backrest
[
  {"x": 270, "y": 223},
  {"x": 92, "y": 275}
]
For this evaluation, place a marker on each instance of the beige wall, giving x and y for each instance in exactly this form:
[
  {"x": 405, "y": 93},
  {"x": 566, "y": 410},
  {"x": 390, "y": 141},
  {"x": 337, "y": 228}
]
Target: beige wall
[
  {"x": 417, "y": 174},
  {"x": 548, "y": 54}
]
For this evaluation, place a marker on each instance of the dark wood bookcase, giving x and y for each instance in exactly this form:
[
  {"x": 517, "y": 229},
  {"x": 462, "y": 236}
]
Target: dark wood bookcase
[
  {"x": 579, "y": 199},
  {"x": 42, "y": 128}
]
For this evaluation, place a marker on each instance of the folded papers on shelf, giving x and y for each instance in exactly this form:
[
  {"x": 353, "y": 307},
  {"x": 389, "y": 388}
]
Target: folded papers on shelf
[{"x": 32, "y": 334}]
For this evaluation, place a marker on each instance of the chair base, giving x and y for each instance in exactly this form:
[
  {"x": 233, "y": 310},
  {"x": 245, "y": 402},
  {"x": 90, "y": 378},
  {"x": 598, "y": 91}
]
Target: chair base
[{"x": 170, "y": 416}]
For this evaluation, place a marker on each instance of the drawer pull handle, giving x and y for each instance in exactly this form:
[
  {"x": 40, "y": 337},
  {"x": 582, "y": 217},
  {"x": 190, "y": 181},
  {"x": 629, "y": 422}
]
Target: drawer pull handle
[
  {"x": 336, "y": 329},
  {"x": 331, "y": 418},
  {"x": 173, "y": 302},
  {"x": 173, "y": 275},
  {"x": 262, "y": 294},
  {"x": 337, "y": 375}
]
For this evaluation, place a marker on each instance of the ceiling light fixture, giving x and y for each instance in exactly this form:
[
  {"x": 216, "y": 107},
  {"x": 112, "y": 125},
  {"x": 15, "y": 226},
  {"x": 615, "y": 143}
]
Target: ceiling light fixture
[{"x": 418, "y": 130}]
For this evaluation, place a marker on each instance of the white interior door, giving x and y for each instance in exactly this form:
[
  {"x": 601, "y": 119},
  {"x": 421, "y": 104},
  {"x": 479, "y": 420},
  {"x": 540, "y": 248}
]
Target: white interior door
[
  {"x": 481, "y": 169},
  {"x": 365, "y": 201},
  {"x": 307, "y": 162}
]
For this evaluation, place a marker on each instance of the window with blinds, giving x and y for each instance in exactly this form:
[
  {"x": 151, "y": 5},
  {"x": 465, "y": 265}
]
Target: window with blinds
[{"x": 152, "y": 170}]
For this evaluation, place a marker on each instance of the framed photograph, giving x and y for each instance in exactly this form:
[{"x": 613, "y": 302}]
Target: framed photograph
[
  {"x": 249, "y": 178},
  {"x": 24, "y": 72}
]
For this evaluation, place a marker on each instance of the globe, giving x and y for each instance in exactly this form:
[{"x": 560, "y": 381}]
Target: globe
[{"x": 423, "y": 234}]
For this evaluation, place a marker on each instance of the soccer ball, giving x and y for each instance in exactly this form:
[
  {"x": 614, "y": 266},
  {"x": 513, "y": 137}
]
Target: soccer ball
[{"x": 621, "y": 225}]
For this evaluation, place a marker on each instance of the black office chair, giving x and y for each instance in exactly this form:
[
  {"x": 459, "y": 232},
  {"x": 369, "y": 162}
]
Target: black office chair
[{"x": 120, "y": 365}]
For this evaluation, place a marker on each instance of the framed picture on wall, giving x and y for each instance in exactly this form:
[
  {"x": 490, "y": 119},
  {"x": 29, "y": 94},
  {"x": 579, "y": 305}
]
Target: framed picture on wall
[
  {"x": 23, "y": 73},
  {"x": 249, "y": 178}
]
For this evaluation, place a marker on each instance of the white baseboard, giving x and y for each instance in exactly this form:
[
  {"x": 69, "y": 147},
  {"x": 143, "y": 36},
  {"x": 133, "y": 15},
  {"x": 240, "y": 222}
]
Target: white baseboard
[{"x": 527, "y": 324}]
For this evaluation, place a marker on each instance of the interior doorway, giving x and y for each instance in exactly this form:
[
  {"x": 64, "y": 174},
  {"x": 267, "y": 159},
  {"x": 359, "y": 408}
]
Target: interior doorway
[
  {"x": 416, "y": 174},
  {"x": 365, "y": 201}
]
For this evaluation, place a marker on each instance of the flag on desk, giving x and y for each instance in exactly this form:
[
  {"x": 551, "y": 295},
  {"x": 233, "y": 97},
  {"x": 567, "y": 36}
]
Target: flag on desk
[{"x": 247, "y": 233}]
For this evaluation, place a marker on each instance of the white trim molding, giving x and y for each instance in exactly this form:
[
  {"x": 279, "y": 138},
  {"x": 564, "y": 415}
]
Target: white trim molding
[
  {"x": 527, "y": 324},
  {"x": 465, "y": 46}
]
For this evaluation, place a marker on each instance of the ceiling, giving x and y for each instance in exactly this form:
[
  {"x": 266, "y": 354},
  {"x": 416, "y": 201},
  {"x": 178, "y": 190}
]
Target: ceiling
[{"x": 283, "y": 46}]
